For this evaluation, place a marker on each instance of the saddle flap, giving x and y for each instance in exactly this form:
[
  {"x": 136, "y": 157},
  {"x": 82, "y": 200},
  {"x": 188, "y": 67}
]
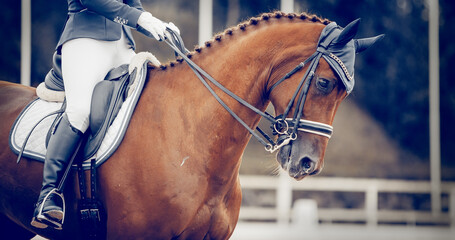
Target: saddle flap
[{"x": 107, "y": 99}]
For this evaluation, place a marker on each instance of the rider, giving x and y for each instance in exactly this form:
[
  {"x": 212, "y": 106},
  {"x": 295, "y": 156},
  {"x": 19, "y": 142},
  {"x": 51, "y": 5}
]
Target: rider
[{"x": 96, "y": 38}]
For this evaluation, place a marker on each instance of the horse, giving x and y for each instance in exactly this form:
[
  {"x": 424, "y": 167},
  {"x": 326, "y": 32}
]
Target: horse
[{"x": 176, "y": 173}]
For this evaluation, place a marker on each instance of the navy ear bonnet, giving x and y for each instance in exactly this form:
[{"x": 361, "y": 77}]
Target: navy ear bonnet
[{"x": 338, "y": 48}]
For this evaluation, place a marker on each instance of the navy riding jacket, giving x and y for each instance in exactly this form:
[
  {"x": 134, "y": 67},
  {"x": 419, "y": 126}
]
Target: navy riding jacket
[{"x": 101, "y": 20}]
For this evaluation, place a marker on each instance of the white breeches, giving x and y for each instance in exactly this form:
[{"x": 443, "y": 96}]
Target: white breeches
[{"x": 85, "y": 62}]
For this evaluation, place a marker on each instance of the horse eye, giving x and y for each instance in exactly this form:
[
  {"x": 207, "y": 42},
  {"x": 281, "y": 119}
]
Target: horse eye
[{"x": 324, "y": 85}]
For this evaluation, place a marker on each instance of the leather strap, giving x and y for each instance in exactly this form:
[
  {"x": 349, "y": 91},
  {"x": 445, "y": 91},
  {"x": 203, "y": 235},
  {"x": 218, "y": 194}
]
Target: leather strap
[
  {"x": 176, "y": 43},
  {"x": 199, "y": 72}
]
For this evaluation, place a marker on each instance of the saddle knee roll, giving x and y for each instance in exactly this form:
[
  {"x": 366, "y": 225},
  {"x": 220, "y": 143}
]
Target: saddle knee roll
[{"x": 108, "y": 97}]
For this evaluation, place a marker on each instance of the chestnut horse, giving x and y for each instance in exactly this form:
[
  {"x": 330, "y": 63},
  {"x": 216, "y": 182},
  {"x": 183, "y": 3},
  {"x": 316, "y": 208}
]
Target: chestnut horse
[{"x": 176, "y": 173}]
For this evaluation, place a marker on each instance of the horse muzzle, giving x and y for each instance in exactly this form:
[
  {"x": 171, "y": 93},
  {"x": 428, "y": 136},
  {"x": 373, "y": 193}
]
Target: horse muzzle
[{"x": 302, "y": 157}]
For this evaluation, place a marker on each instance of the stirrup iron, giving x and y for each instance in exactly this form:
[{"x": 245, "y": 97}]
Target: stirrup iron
[{"x": 42, "y": 218}]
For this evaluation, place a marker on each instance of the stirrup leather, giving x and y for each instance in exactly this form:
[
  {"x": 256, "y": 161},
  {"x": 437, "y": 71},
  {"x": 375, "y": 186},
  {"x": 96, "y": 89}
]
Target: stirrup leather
[{"x": 42, "y": 218}]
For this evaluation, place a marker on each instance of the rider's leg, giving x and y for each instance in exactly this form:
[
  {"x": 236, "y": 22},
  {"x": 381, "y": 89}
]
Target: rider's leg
[
  {"x": 124, "y": 52},
  {"x": 62, "y": 144},
  {"x": 85, "y": 62}
]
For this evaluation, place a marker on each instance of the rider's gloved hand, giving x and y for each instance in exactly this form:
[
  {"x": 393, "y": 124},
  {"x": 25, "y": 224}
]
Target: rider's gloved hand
[
  {"x": 173, "y": 27},
  {"x": 152, "y": 24}
]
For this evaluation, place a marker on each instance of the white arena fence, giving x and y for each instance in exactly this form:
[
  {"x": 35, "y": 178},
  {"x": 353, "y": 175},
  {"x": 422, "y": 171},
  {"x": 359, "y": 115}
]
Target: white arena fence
[{"x": 285, "y": 210}]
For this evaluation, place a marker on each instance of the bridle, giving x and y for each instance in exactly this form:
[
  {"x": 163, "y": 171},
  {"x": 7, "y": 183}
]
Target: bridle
[{"x": 286, "y": 128}]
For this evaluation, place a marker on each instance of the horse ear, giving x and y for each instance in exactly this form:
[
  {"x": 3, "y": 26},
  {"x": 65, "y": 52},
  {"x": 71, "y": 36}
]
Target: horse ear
[
  {"x": 348, "y": 33},
  {"x": 364, "y": 43}
]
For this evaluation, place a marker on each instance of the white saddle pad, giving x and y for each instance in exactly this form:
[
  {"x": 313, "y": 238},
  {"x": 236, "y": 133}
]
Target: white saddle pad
[{"x": 35, "y": 147}]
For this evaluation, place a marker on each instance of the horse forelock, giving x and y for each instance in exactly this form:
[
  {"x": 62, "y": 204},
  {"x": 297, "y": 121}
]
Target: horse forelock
[{"x": 240, "y": 28}]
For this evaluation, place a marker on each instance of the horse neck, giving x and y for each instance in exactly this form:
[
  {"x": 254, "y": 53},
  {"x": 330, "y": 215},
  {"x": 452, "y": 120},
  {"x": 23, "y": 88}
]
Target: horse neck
[{"x": 243, "y": 62}]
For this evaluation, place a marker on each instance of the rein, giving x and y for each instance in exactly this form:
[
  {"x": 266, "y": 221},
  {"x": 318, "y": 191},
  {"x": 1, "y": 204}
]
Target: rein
[{"x": 280, "y": 125}]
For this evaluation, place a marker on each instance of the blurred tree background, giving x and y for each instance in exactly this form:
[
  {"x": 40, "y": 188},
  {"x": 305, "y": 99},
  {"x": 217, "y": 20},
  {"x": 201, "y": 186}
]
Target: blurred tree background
[{"x": 392, "y": 78}]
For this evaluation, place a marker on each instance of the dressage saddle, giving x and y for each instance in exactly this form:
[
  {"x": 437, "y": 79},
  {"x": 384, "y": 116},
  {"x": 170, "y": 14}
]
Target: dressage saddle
[{"x": 107, "y": 99}]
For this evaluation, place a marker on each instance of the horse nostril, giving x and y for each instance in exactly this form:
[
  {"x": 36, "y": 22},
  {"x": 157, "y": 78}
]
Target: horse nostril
[
  {"x": 315, "y": 172},
  {"x": 307, "y": 165}
]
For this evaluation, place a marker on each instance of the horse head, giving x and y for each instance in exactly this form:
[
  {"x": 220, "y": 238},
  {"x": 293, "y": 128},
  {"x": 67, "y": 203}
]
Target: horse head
[{"x": 306, "y": 105}]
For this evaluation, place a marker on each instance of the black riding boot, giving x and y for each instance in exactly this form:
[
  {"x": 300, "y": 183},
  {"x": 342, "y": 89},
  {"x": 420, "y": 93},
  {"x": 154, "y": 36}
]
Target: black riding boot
[{"x": 62, "y": 145}]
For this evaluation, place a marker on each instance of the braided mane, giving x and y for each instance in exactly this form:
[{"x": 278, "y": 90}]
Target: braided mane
[{"x": 242, "y": 27}]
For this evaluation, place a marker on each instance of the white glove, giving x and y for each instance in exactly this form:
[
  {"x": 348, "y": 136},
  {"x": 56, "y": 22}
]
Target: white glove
[
  {"x": 152, "y": 24},
  {"x": 173, "y": 27}
]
